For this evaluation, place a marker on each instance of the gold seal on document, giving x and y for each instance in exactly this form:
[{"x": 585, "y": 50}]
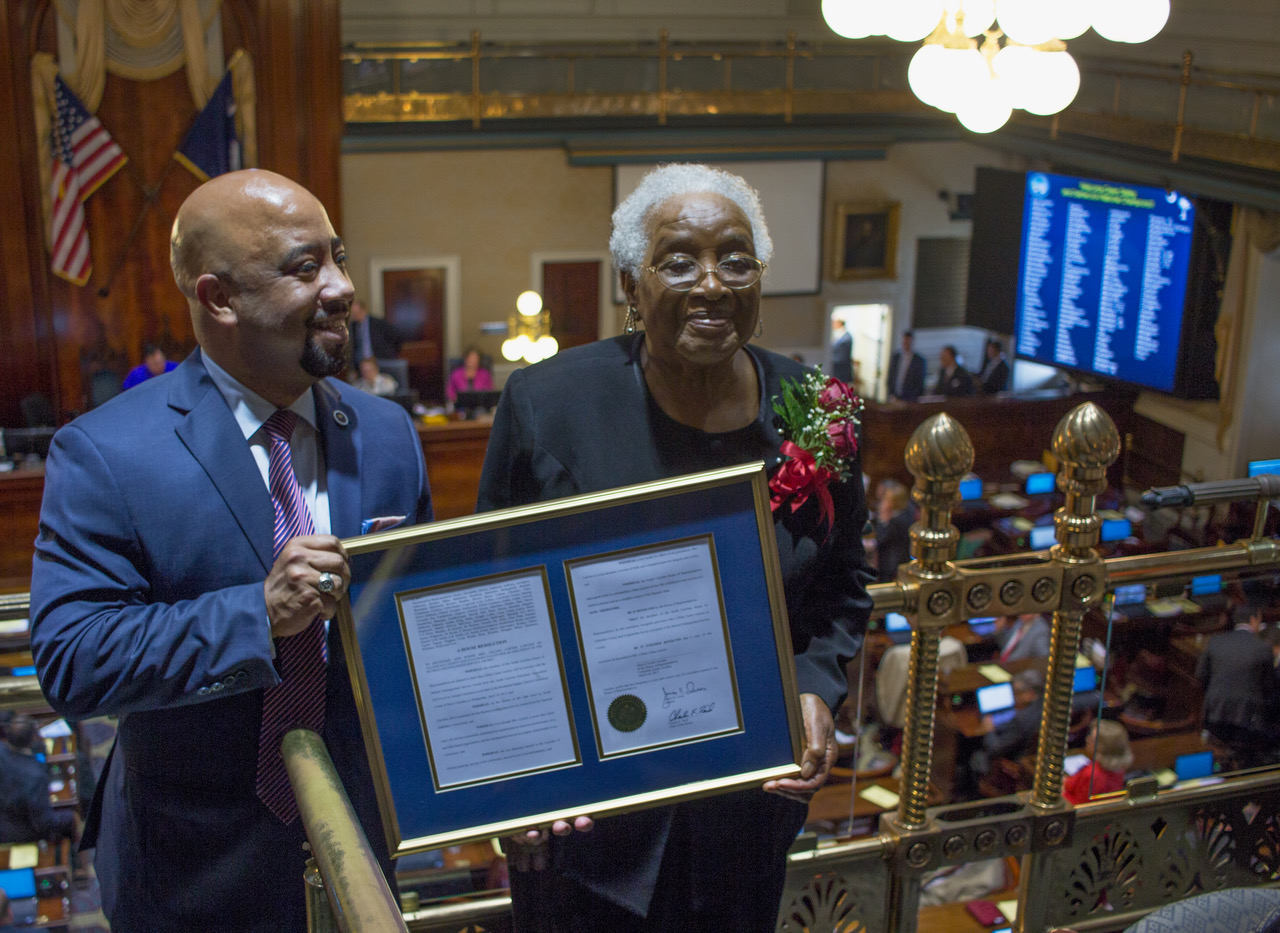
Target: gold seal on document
[{"x": 627, "y": 713}]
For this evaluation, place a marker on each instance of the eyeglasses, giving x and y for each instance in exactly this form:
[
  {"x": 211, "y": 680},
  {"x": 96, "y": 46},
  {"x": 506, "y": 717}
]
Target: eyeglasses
[{"x": 682, "y": 274}]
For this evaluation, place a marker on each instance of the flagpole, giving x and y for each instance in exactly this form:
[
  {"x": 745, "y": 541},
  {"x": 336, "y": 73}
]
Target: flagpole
[{"x": 150, "y": 195}]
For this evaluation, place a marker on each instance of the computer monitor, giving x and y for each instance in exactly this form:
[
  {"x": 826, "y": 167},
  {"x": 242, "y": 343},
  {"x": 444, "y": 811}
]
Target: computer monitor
[
  {"x": 994, "y": 698},
  {"x": 971, "y": 488},
  {"x": 896, "y": 622},
  {"x": 1195, "y": 765},
  {"x": 1116, "y": 529},
  {"x": 1086, "y": 679},
  {"x": 1258, "y": 467},
  {"x": 1131, "y": 594},
  {"x": 18, "y": 882},
  {"x": 1206, "y": 585},
  {"x": 983, "y": 626},
  {"x": 477, "y": 401},
  {"x": 1040, "y": 483},
  {"x": 1042, "y": 537}
]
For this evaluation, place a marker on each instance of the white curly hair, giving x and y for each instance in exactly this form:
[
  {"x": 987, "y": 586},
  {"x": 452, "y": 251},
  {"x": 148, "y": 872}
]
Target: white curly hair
[{"x": 630, "y": 238}]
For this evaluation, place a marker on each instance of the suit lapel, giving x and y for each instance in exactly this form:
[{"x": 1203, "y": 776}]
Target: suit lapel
[
  {"x": 211, "y": 434},
  {"x": 338, "y": 427}
]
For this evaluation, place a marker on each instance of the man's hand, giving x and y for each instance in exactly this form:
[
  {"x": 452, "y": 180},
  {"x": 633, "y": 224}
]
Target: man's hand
[
  {"x": 293, "y": 600},
  {"x": 528, "y": 851},
  {"x": 819, "y": 754}
]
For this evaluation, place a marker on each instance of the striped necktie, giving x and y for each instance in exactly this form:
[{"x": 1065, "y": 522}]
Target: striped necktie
[{"x": 298, "y": 700}]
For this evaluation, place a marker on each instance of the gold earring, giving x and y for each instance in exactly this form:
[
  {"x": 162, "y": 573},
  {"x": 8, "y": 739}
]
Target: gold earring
[{"x": 629, "y": 326}]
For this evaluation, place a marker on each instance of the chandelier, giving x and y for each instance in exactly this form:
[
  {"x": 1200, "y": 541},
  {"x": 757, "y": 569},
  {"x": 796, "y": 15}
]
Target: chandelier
[
  {"x": 981, "y": 59},
  {"x": 529, "y": 331}
]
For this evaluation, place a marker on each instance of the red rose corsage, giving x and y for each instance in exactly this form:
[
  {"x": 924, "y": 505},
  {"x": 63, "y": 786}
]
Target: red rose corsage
[{"x": 820, "y": 418}]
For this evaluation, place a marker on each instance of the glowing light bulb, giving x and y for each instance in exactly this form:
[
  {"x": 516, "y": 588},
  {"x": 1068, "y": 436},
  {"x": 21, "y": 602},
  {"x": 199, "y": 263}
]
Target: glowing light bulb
[
  {"x": 529, "y": 303},
  {"x": 853, "y": 19},
  {"x": 911, "y": 20},
  {"x": 1130, "y": 20},
  {"x": 1027, "y": 21}
]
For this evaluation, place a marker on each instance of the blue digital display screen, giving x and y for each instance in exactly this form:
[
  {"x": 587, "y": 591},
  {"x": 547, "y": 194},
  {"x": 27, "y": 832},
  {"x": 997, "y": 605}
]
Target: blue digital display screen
[
  {"x": 896, "y": 622},
  {"x": 1040, "y": 483},
  {"x": 1042, "y": 537},
  {"x": 18, "y": 882},
  {"x": 1131, "y": 593},
  {"x": 1102, "y": 277},
  {"x": 971, "y": 488},
  {"x": 1204, "y": 586},
  {"x": 1086, "y": 679},
  {"x": 1116, "y": 529}
]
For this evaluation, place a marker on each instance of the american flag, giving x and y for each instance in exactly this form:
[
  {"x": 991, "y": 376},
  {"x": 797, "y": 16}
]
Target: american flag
[{"x": 84, "y": 156}]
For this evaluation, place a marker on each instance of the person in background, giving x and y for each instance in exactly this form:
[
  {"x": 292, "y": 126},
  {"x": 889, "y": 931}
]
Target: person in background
[
  {"x": 371, "y": 337},
  {"x": 906, "y": 371},
  {"x": 1237, "y": 671},
  {"x": 995, "y": 372},
  {"x": 26, "y": 815},
  {"x": 841, "y": 351},
  {"x": 894, "y": 515},
  {"x": 469, "y": 377},
  {"x": 1027, "y": 637},
  {"x": 1017, "y": 737},
  {"x": 1108, "y": 747},
  {"x": 373, "y": 380},
  {"x": 953, "y": 380},
  {"x": 153, "y": 364},
  {"x": 685, "y": 391}
]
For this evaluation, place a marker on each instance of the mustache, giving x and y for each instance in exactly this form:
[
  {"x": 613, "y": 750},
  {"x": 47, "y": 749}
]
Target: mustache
[{"x": 328, "y": 311}]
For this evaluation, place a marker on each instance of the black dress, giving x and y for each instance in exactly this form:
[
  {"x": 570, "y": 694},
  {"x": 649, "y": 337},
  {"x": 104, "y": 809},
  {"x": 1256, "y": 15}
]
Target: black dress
[{"x": 584, "y": 421}]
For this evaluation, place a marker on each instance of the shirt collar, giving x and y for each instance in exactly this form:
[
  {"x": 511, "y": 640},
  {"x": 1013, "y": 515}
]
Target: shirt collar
[{"x": 250, "y": 409}]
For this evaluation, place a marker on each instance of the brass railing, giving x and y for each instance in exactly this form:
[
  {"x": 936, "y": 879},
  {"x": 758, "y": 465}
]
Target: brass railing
[
  {"x": 1177, "y": 108},
  {"x": 1095, "y": 867}
]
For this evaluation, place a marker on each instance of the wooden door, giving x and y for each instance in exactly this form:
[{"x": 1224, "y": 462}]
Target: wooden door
[
  {"x": 413, "y": 300},
  {"x": 571, "y": 293}
]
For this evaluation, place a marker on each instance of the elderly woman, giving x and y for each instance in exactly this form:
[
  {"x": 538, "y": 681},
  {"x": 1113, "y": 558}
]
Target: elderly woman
[{"x": 682, "y": 391}]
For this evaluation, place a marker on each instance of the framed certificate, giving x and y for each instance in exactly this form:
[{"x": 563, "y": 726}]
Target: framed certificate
[{"x": 594, "y": 654}]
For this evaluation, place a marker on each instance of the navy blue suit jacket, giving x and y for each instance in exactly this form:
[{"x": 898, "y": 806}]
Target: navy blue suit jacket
[{"x": 147, "y": 603}]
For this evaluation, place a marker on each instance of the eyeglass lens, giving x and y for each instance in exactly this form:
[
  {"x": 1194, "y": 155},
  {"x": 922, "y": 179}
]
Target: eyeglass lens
[{"x": 735, "y": 271}]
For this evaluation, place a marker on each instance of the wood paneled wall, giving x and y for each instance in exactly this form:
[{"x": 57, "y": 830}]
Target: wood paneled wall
[{"x": 47, "y": 325}]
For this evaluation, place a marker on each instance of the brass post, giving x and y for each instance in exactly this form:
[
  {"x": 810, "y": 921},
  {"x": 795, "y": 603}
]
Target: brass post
[
  {"x": 320, "y": 917},
  {"x": 938, "y": 455},
  {"x": 357, "y": 891}
]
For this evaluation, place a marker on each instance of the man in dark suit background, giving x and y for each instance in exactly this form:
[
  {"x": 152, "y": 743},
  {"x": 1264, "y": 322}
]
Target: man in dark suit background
[
  {"x": 189, "y": 556},
  {"x": 954, "y": 379},
  {"x": 841, "y": 352},
  {"x": 26, "y": 815},
  {"x": 906, "y": 371},
  {"x": 995, "y": 372},
  {"x": 372, "y": 338},
  {"x": 1238, "y": 674}
]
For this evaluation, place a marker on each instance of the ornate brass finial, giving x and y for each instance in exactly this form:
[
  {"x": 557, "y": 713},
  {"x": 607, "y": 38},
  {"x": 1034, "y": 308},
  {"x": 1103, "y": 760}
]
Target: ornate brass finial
[
  {"x": 940, "y": 450},
  {"x": 1086, "y": 435}
]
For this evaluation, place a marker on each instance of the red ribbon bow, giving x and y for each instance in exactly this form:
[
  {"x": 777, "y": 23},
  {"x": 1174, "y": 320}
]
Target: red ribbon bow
[{"x": 801, "y": 477}]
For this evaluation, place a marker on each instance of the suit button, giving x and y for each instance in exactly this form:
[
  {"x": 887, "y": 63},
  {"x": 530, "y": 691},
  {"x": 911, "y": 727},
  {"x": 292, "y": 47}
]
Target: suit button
[{"x": 203, "y": 691}]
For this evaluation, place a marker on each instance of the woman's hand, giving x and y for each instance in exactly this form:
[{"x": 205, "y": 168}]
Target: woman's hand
[
  {"x": 819, "y": 754},
  {"x": 528, "y": 851}
]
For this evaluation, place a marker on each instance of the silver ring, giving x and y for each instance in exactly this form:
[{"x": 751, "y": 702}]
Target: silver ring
[{"x": 326, "y": 583}]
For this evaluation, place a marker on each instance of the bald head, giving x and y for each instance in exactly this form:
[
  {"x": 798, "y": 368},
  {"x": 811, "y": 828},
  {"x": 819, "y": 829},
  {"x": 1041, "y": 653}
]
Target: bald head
[{"x": 265, "y": 277}]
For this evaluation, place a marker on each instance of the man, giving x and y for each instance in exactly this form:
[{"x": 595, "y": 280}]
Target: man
[
  {"x": 189, "y": 537},
  {"x": 841, "y": 352},
  {"x": 954, "y": 380},
  {"x": 372, "y": 338},
  {"x": 153, "y": 364},
  {"x": 1018, "y": 736},
  {"x": 906, "y": 372},
  {"x": 995, "y": 373},
  {"x": 26, "y": 815},
  {"x": 1237, "y": 671},
  {"x": 1027, "y": 637}
]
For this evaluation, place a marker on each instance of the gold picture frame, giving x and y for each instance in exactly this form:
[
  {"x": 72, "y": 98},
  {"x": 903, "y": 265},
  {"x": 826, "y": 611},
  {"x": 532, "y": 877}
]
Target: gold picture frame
[
  {"x": 425, "y": 645},
  {"x": 865, "y": 241}
]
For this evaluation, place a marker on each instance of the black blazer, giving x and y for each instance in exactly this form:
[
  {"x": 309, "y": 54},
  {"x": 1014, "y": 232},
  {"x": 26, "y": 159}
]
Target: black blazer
[
  {"x": 584, "y": 421},
  {"x": 997, "y": 380},
  {"x": 959, "y": 383},
  {"x": 913, "y": 384},
  {"x": 1239, "y": 679}
]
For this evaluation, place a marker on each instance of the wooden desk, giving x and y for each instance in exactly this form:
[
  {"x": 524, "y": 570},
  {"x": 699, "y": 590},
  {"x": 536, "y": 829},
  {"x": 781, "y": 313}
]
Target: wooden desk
[
  {"x": 53, "y": 882},
  {"x": 966, "y": 680},
  {"x": 20, "y": 494},
  {"x": 830, "y": 805},
  {"x": 455, "y": 455}
]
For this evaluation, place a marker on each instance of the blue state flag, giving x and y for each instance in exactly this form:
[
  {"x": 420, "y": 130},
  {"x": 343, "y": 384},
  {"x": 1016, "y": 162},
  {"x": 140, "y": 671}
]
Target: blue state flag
[{"x": 211, "y": 146}]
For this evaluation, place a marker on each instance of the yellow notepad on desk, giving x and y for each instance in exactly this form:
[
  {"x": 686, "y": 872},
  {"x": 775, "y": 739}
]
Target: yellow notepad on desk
[
  {"x": 24, "y": 856},
  {"x": 880, "y": 796},
  {"x": 1009, "y": 908},
  {"x": 1166, "y": 777},
  {"x": 995, "y": 673},
  {"x": 1163, "y": 607}
]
